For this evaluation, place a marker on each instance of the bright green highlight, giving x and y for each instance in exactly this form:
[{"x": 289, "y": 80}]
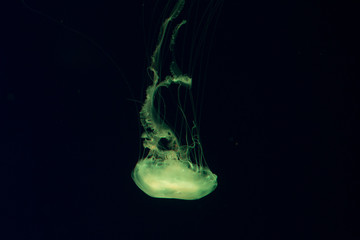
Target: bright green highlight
[{"x": 170, "y": 168}]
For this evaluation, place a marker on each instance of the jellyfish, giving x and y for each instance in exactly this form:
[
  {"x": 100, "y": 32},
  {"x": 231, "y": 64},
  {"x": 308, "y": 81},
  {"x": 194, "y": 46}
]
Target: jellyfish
[{"x": 171, "y": 166}]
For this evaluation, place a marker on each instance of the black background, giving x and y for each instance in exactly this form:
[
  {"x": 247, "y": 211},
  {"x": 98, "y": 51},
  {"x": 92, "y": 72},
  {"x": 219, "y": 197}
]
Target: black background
[{"x": 279, "y": 122}]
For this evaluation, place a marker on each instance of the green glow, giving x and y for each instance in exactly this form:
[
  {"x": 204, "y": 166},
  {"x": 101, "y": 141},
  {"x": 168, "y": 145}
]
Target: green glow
[{"x": 170, "y": 168}]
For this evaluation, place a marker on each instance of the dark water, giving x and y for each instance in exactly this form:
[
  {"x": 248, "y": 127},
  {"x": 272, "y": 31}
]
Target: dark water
[{"x": 279, "y": 122}]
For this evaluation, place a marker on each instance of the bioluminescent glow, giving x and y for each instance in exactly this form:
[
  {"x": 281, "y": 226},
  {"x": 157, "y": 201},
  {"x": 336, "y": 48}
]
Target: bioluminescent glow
[{"x": 170, "y": 168}]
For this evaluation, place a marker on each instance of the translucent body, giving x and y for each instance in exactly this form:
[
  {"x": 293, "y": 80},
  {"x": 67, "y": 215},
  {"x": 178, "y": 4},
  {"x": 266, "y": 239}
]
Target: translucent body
[
  {"x": 169, "y": 168},
  {"x": 173, "y": 179}
]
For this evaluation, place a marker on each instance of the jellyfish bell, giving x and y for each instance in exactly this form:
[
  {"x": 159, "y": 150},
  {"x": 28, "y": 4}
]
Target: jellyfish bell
[
  {"x": 173, "y": 178},
  {"x": 172, "y": 164}
]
